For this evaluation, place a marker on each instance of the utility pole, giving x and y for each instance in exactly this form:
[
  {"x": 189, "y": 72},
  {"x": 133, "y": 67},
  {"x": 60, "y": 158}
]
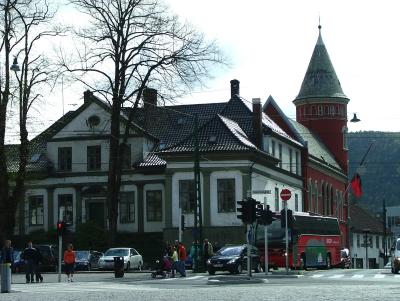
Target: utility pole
[{"x": 384, "y": 233}]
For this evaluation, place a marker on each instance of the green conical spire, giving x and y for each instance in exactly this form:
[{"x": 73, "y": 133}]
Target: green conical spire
[{"x": 320, "y": 80}]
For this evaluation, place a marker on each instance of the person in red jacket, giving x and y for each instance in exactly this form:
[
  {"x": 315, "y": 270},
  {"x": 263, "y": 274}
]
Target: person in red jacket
[
  {"x": 69, "y": 260},
  {"x": 182, "y": 258}
]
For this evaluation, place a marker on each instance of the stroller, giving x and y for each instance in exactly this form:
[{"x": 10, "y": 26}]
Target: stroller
[{"x": 163, "y": 268}]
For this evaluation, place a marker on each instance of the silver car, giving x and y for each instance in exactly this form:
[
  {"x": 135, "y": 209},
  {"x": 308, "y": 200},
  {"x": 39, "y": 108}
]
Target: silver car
[{"x": 132, "y": 258}]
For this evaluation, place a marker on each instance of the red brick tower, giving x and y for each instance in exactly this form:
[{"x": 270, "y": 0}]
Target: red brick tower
[{"x": 321, "y": 104}]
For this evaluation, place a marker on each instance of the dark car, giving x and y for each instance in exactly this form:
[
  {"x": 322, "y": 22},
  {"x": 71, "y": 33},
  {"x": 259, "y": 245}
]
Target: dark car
[
  {"x": 49, "y": 257},
  {"x": 233, "y": 259},
  {"x": 87, "y": 260}
]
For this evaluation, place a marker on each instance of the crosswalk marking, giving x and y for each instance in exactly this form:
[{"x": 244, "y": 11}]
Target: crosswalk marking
[
  {"x": 358, "y": 276},
  {"x": 379, "y": 276},
  {"x": 317, "y": 276},
  {"x": 336, "y": 276},
  {"x": 396, "y": 276}
]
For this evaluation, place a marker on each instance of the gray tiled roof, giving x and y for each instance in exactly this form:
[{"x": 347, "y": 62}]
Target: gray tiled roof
[
  {"x": 315, "y": 147},
  {"x": 320, "y": 79},
  {"x": 361, "y": 220}
]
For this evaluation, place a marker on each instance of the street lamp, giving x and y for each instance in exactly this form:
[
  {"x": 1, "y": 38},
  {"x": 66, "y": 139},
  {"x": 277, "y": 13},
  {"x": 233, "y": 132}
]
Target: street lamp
[
  {"x": 355, "y": 119},
  {"x": 366, "y": 232},
  {"x": 15, "y": 66}
]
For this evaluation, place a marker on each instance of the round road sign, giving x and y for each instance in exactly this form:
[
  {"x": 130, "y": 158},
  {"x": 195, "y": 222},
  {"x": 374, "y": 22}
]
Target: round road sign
[{"x": 286, "y": 194}]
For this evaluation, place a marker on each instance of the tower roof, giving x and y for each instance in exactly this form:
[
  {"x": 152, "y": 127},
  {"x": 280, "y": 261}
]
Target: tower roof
[{"x": 320, "y": 80}]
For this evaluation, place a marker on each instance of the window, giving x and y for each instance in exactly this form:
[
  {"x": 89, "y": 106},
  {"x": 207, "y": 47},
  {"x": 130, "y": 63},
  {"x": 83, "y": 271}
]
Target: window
[
  {"x": 296, "y": 202},
  {"x": 310, "y": 195},
  {"x": 320, "y": 110},
  {"x": 127, "y": 207},
  {"x": 36, "y": 210},
  {"x": 358, "y": 240},
  {"x": 226, "y": 195},
  {"x": 276, "y": 199},
  {"x": 344, "y": 133},
  {"x": 126, "y": 156},
  {"x": 280, "y": 154},
  {"x": 351, "y": 240},
  {"x": 187, "y": 196},
  {"x": 316, "y": 195},
  {"x": 297, "y": 163},
  {"x": 154, "y": 205},
  {"x": 64, "y": 158},
  {"x": 273, "y": 148},
  {"x": 65, "y": 208},
  {"x": 290, "y": 160},
  {"x": 94, "y": 157},
  {"x": 377, "y": 242}
]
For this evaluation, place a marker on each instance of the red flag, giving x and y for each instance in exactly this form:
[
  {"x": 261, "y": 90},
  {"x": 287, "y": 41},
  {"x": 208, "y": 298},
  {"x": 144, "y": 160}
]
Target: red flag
[{"x": 356, "y": 185}]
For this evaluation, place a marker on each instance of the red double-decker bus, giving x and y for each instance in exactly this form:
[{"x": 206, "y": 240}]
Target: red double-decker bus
[{"x": 314, "y": 241}]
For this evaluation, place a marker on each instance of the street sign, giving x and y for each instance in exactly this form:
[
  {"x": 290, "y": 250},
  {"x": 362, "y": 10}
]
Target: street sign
[
  {"x": 262, "y": 191},
  {"x": 286, "y": 194}
]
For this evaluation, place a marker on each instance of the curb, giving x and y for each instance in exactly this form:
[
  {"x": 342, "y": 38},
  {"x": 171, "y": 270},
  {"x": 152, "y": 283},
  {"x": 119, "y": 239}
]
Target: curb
[{"x": 235, "y": 280}]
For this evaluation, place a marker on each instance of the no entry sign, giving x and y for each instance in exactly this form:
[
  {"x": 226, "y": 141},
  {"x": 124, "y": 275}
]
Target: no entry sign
[{"x": 286, "y": 194}]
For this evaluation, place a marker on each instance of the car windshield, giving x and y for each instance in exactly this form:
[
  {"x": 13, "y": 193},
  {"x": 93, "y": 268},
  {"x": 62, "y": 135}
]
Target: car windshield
[
  {"x": 81, "y": 255},
  {"x": 230, "y": 251},
  {"x": 117, "y": 252}
]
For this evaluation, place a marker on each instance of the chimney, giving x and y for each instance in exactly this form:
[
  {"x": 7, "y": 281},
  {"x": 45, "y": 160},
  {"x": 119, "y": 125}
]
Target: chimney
[
  {"x": 87, "y": 96},
  {"x": 234, "y": 87},
  {"x": 149, "y": 98},
  {"x": 257, "y": 123}
]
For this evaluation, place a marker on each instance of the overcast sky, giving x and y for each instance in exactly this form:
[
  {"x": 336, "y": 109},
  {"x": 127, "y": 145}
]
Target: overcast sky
[{"x": 270, "y": 45}]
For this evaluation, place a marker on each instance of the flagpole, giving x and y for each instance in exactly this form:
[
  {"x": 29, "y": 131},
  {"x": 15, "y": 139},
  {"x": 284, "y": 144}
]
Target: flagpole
[{"x": 348, "y": 199}]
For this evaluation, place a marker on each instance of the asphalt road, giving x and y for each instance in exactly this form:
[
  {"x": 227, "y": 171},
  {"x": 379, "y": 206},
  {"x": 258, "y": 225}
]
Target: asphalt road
[{"x": 333, "y": 284}]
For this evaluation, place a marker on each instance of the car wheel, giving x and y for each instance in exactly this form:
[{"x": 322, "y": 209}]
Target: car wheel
[
  {"x": 128, "y": 266},
  {"x": 89, "y": 267},
  {"x": 211, "y": 272},
  {"x": 257, "y": 268},
  {"x": 140, "y": 265},
  {"x": 239, "y": 269}
]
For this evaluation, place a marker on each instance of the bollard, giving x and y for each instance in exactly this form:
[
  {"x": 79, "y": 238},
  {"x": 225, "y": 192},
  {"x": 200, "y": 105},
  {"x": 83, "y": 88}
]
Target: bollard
[{"x": 5, "y": 277}]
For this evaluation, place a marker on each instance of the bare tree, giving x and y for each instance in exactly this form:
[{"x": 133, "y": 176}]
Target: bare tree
[
  {"x": 130, "y": 45},
  {"x": 25, "y": 24}
]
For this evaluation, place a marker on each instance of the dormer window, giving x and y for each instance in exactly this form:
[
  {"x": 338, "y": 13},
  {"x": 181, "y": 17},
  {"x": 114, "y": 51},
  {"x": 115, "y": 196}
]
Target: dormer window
[{"x": 93, "y": 121}]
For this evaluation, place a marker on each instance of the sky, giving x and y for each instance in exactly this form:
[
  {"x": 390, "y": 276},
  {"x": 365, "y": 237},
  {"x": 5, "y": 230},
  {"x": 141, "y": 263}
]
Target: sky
[{"x": 270, "y": 43}]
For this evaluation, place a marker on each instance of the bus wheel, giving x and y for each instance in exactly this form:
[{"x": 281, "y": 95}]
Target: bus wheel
[
  {"x": 328, "y": 262},
  {"x": 303, "y": 262}
]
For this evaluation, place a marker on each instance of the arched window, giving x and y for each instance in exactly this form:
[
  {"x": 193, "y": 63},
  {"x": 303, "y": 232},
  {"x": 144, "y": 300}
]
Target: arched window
[
  {"x": 344, "y": 133},
  {"x": 316, "y": 197},
  {"x": 310, "y": 194}
]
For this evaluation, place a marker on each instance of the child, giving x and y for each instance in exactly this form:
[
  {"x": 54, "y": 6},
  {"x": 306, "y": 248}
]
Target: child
[{"x": 69, "y": 260}]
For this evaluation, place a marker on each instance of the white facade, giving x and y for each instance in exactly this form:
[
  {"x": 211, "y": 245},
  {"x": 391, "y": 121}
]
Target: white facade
[{"x": 375, "y": 248}]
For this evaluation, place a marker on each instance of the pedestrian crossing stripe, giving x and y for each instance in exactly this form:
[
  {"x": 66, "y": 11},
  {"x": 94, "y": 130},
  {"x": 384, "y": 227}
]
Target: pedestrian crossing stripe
[
  {"x": 379, "y": 276},
  {"x": 337, "y": 276},
  {"x": 359, "y": 276},
  {"x": 317, "y": 276}
]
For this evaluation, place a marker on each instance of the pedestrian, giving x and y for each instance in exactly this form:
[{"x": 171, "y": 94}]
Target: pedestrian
[
  {"x": 30, "y": 257},
  {"x": 208, "y": 251},
  {"x": 69, "y": 260},
  {"x": 175, "y": 260},
  {"x": 182, "y": 259},
  {"x": 38, "y": 261},
  {"x": 7, "y": 253},
  {"x": 193, "y": 253}
]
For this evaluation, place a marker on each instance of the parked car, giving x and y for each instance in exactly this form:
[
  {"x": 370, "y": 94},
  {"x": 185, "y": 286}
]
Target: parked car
[
  {"x": 87, "y": 260},
  {"x": 395, "y": 256},
  {"x": 49, "y": 257},
  {"x": 132, "y": 258},
  {"x": 233, "y": 259}
]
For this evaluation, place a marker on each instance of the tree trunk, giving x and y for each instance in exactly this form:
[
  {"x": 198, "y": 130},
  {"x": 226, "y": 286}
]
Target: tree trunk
[{"x": 4, "y": 188}]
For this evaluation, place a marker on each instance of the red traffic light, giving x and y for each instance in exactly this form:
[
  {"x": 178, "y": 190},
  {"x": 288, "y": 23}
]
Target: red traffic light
[{"x": 60, "y": 228}]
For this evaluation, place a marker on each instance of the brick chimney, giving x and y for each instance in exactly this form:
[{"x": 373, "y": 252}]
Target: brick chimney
[
  {"x": 257, "y": 123},
  {"x": 235, "y": 84},
  {"x": 149, "y": 98},
  {"x": 87, "y": 96}
]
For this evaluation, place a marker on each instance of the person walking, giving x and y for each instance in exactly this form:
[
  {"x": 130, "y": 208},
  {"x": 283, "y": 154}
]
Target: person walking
[
  {"x": 182, "y": 259},
  {"x": 7, "y": 253},
  {"x": 208, "y": 251},
  {"x": 175, "y": 260},
  {"x": 37, "y": 262},
  {"x": 30, "y": 256},
  {"x": 69, "y": 260}
]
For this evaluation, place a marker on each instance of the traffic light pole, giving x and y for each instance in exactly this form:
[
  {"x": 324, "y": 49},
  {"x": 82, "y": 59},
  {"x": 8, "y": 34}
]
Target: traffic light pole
[
  {"x": 266, "y": 264},
  {"x": 286, "y": 239},
  {"x": 248, "y": 250},
  {"x": 59, "y": 256}
]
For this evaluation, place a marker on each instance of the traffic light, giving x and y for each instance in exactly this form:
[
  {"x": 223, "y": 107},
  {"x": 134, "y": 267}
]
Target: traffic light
[
  {"x": 245, "y": 210},
  {"x": 289, "y": 216},
  {"x": 267, "y": 217},
  {"x": 60, "y": 228},
  {"x": 258, "y": 210},
  {"x": 182, "y": 222}
]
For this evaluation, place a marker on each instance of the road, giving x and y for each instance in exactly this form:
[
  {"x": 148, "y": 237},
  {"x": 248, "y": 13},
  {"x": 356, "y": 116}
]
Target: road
[{"x": 335, "y": 284}]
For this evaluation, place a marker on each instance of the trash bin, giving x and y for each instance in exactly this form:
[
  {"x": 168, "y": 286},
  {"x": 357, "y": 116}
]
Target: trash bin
[
  {"x": 5, "y": 277},
  {"x": 119, "y": 267}
]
